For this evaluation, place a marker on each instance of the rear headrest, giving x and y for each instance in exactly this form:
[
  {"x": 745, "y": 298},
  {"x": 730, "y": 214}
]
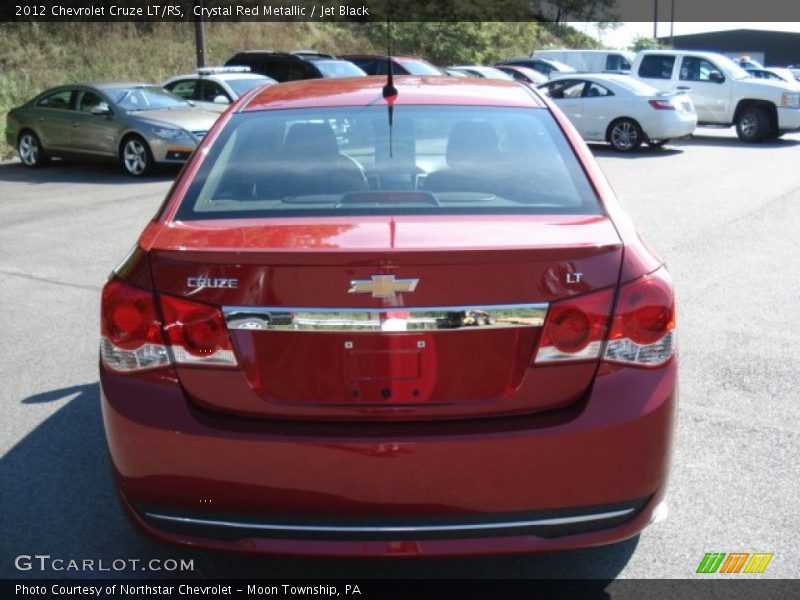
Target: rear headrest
[
  {"x": 470, "y": 143},
  {"x": 315, "y": 140}
]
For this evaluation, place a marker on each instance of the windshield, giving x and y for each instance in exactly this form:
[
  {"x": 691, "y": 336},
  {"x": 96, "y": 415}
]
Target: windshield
[
  {"x": 146, "y": 98},
  {"x": 433, "y": 160},
  {"x": 734, "y": 70},
  {"x": 240, "y": 86},
  {"x": 419, "y": 67},
  {"x": 338, "y": 68}
]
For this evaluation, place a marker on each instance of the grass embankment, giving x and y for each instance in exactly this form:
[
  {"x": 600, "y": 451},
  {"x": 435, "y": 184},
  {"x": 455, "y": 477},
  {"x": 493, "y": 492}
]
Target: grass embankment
[{"x": 35, "y": 56}]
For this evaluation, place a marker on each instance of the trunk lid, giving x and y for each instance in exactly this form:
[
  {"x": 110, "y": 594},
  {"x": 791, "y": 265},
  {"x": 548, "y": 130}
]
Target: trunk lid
[{"x": 459, "y": 342}]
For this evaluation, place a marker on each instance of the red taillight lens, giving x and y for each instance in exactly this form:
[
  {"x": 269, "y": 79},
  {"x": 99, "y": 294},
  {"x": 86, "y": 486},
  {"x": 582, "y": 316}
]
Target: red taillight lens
[
  {"x": 131, "y": 335},
  {"x": 643, "y": 330},
  {"x": 662, "y": 104},
  {"x": 575, "y": 328},
  {"x": 196, "y": 332}
]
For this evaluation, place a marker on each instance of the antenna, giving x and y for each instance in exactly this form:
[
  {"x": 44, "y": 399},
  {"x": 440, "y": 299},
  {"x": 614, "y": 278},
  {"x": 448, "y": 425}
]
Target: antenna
[{"x": 389, "y": 90}]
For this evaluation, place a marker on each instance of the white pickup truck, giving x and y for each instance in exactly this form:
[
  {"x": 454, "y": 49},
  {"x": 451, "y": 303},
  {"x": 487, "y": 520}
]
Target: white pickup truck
[{"x": 723, "y": 93}]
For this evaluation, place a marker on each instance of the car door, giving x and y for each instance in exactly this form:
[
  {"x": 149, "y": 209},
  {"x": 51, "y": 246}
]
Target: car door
[
  {"x": 53, "y": 120},
  {"x": 600, "y": 107},
  {"x": 92, "y": 133},
  {"x": 568, "y": 96},
  {"x": 701, "y": 79},
  {"x": 657, "y": 70},
  {"x": 207, "y": 91}
]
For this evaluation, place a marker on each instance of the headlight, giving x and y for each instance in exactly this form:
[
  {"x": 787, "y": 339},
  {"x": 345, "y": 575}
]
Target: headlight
[
  {"x": 790, "y": 100},
  {"x": 169, "y": 133}
]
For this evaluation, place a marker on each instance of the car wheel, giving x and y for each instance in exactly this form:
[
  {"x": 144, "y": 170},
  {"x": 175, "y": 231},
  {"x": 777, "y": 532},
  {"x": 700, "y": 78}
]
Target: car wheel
[
  {"x": 625, "y": 135},
  {"x": 135, "y": 156},
  {"x": 30, "y": 150},
  {"x": 656, "y": 143},
  {"x": 753, "y": 125}
]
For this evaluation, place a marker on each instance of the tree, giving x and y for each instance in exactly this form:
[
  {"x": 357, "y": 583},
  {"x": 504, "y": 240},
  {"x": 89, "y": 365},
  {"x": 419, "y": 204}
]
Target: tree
[
  {"x": 561, "y": 11},
  {"x": 646, "y": 43}
]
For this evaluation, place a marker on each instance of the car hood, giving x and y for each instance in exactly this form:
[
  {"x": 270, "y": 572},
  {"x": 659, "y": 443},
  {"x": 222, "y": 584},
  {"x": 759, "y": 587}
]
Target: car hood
[
  {"x": 190, "y": 119},
  {"x": 763, "y": 85}
]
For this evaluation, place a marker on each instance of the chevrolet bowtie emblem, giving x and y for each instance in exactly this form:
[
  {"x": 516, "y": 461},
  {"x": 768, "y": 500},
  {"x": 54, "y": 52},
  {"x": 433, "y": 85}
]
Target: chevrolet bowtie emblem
[{"x": 382, "y": 286}]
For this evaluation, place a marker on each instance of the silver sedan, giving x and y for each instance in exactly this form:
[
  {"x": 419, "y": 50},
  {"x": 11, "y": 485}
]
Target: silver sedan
[{"x": 140, "y": 125}]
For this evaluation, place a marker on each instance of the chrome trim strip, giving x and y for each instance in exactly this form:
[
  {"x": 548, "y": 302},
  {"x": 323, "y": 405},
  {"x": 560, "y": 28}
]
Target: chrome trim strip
[
  {"x": 425, "y": 318},
  {"x": 392, "y": 529}
]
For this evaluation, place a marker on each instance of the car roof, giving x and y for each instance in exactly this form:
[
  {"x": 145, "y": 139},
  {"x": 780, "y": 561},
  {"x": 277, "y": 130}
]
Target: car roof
[
  {"x": 222, "y": 76},
  {"x": 364, "y": 91}
]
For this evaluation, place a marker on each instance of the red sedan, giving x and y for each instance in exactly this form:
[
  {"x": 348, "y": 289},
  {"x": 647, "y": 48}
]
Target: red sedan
[{"x": 373, "y": 320}]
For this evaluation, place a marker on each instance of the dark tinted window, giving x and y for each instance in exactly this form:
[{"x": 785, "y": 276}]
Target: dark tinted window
[
  {"x": 656, "y": 66},
  {"x": 617, "y": 62},
  {"x": 301, "y": 70},
  {"x": 210, "y": 90},
  {"x": 184, "y": 88},
  {"x": 347, "y": 160},
  {"x": 88, "y": 100},
  {"x": 61, "y": 100},
  {"x": 698, "y": 69}
]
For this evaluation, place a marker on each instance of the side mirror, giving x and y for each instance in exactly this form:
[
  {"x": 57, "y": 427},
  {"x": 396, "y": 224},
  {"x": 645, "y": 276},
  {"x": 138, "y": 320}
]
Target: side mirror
[
  {"x": 716, "y": 77},
  {"x": 101, "y": 109},
  {"x": 221, "y": 100}
]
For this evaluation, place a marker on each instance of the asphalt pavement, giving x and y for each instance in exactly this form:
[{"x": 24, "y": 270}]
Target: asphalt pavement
[{"x": 724, "y": 216}]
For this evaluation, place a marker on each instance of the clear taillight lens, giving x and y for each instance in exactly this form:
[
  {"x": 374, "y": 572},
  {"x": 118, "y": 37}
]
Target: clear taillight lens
[
  {"x": 131, "y": 335},
  {"x": 197, "y": 333},
  {"x": 643, "y": 329},
  {"x": 575, "y": 329}
]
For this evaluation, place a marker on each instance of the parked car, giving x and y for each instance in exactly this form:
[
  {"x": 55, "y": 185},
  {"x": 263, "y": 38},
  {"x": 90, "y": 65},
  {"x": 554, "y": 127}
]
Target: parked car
[
  {"x": 722, "y": 92},
  {"x": 481, "y": 71},
  {"x": 300, "y": 64},
  {"x": 455, "y": 72},
  {"x": 214, "y": 88},
  {"x": 774, "y": 74},
  {"x": 621, "y": 111},
  {"x": 523, "y": 74},
  {"x": 545, "y": 66},
  {"x": 441, "y": 335},
  {"x": 373, "y": 64},
  {"x": 591, "y": 61},
  {"x": 138, "y": 124}
]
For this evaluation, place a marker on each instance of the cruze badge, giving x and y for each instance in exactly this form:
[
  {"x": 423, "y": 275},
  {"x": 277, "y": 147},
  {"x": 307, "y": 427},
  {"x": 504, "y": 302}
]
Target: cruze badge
[
  {"x": 382, "y": 286},
  {"x": 203, "y": 282}
]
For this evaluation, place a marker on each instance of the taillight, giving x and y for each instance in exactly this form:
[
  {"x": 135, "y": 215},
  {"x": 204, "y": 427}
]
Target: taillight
[
  {"x": 643, "y": 329},
  {"x": 662, "y": 104},
  {"x": 575, "y": 328},
  {"x": 131, "y": 334},
  {"x": 196, "y": 332}
]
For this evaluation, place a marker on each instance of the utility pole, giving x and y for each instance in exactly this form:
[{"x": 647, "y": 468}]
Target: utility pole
[
  {"x": 672, "y": 24},
  {"x": 655, "y": 19},
  {"x": 200, "y": 36}
]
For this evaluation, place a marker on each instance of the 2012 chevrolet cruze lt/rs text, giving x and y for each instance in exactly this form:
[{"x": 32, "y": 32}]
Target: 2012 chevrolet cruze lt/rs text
[{"x": 372, "y": 321}]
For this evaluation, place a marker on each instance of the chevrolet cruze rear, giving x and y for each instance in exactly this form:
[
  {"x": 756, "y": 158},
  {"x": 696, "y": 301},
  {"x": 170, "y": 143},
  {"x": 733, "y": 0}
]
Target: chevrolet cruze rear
[{"x": 371, "y": 323}]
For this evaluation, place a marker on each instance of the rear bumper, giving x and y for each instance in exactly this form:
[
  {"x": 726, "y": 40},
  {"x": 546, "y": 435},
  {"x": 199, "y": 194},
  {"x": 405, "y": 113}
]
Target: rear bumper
[
  {"x": 586, "y": 477},
  {"x": 671, "y": 125}
]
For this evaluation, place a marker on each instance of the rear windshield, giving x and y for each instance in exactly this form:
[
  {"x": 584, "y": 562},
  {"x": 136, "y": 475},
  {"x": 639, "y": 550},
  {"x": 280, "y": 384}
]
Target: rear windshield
[
  {"x": 419, "y": 67},
  {"x": 368, "y": 161},
  {"x": 338, "y": 68}
]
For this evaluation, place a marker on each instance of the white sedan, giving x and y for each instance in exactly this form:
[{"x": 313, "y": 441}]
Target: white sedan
[
  {"x": 214, "y": 88},
  {"x": 621, "y": 110}
]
